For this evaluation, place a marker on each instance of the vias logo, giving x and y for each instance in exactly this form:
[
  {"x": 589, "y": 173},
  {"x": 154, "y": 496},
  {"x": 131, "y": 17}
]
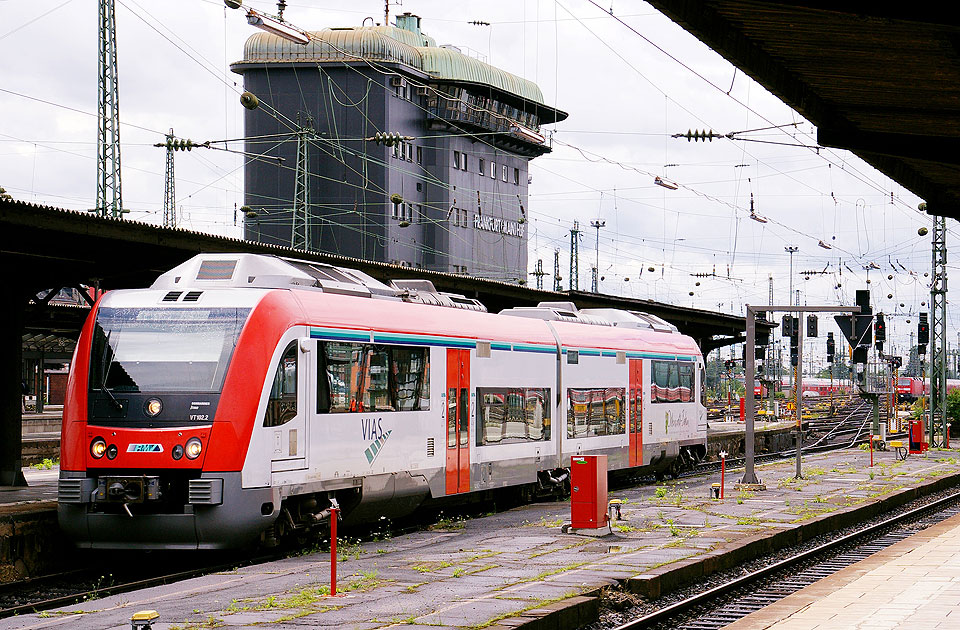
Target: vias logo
[{"x": 373, "y": 431}]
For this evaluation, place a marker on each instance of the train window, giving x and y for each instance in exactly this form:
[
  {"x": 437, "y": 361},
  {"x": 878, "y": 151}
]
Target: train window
[
  {"x": 596, "y": 411},
  {"x": 365, "y": 377},
  {"x": 703, "y": 387},
  {"x": 510, "y": 415},
  {"x": 163, "y": 349},
  {"x": 452, "y": 417},
  {"x": 686, "y": 382},
  {"x": 464, "y": 416},
  {"x": 636, "y": 410},
  {"x": 410, "y": 368},
  {"x": 672, "y": 381},
  {"x": 282, "y": 405}
]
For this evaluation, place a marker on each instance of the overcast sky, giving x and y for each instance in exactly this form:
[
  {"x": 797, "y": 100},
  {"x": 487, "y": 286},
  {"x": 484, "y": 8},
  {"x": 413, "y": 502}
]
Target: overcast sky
[{"x": 625, "y": 99}]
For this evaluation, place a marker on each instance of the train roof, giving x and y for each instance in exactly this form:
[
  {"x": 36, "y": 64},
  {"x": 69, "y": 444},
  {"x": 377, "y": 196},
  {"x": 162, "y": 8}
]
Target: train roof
[{"x": 595, "y": 328}]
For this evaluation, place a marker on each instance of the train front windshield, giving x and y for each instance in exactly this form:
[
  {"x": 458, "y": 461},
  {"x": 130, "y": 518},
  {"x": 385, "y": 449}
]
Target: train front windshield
[{"x": 163, "y": 349}]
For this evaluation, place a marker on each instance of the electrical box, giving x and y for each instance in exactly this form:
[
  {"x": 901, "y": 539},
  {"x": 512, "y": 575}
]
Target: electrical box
[
  {"x": 917, "y": 445},
  {"x": 588, "y": 491}
]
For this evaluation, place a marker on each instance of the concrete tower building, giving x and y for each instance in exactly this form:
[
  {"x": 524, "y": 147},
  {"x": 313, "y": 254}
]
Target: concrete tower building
[{"x": 450, "y": 195}]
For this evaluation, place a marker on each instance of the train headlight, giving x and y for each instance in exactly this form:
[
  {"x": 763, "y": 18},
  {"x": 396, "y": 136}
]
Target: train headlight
[
  {"x": 153, "y": 407},
  {"x": 98, "y": 447},
  {"x": 193, "y": 448},
  {"x": 177, "y": 451},
  {"x": 112, "y": 451}
]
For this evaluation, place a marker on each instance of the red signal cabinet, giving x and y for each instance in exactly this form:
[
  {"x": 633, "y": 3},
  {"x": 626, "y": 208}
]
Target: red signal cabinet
[
  {"x": 917, "y": 445},
  {"x": 588, "y": 491}
]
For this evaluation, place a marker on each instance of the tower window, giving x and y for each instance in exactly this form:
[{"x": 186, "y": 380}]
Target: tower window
[
  {"x": 516, "y": 176},
  {"x": 456, "y": 159},
  {"x": 419, "y": 155},
  {"x": 493, "y": 170},
  {"x": 482, "y": 170}
]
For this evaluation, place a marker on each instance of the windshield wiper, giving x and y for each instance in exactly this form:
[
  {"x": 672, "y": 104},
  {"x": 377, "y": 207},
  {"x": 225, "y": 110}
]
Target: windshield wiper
[{"x": 105, "y": 370}]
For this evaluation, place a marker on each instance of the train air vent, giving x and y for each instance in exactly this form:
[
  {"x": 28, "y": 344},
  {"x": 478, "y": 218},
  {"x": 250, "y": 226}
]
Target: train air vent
[
  {"x": 192, "y": 296},
  {"x": 172, "y": 296},
  {"x": 216, "y": 269},
  {"x": 205, "y": 491},
  {"x": 430, "y": 447},
  {"x": 70, "y": 491}
]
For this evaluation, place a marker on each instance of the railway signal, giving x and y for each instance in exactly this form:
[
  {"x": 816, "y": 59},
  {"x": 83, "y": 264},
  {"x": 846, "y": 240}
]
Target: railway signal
[
  {"x": 787, "y": 326},
  {"x": 923, "y": 333},
  {"x": 794, "y": 341},
  {"x": 831, "y": 347},
  {"x": 857, "y": 328},
  {"x": 879, "y": 331},
  {"x": 811, "y": 325},
  {"x": 749, "y": 479}
]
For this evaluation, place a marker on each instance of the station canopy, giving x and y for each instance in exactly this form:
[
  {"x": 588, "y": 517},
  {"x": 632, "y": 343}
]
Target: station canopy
[{"x": 879, "y": 79}]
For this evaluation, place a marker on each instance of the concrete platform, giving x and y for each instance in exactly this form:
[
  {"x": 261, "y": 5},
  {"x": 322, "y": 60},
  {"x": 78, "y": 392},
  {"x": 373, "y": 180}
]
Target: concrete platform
[
  {"x": 517, "y": 569},
  {"x": 914, "y": 583},
  {"x": 30, "y": 539}
]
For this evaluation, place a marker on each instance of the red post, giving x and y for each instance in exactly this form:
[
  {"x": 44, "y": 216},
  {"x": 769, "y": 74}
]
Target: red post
[
  {"x": 334, "y": 514},
  {"x": 871, "y": 451},
  {"x": 723, "y": 470},
  {"x": 743, "y": 409}
]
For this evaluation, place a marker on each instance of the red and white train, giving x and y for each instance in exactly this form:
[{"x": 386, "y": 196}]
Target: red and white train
[
  {"x": 912, "y": 387},
  {"x": 241, "y": 396},
  {"x": 812, "y": 387}
]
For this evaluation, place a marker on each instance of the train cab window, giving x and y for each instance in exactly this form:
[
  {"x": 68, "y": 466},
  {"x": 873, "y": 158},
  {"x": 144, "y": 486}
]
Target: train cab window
[
  {"x": 282, "y": 404},
  {"x": 596, "y": 411},
  {"x": 371, "y": 377}
]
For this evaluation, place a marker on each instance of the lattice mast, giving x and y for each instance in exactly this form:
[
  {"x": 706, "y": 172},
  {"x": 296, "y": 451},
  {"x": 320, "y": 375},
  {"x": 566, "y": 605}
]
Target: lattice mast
[
  {"x": 574, "y": 256},
  {"x": 539, "y": 273},
  {"x": 556, "y": 271},
  {"x": 169, "y": 186},
  {"x": 301, "y": 234},
  {"x": 937, "y": 425},
  {"x": 109, "y": 198}
]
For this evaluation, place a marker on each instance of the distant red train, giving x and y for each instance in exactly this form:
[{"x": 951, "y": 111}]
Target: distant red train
[
  {"x": 812, "y": 387},
  {"x": 911, "y": 387}
]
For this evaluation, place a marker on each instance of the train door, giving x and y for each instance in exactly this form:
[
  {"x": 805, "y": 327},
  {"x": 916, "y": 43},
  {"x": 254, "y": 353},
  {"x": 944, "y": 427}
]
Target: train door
[
  {"x": 636, "y": 412},
  {"x": 458, "y": 421},
  {"x": 287, "y": 409}
]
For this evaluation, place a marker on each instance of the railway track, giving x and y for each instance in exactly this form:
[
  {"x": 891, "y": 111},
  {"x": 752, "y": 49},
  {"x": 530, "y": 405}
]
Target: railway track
[
  {"x": 850, "y": 429},
  {"x": 738, "y": 597},
  {"x": 63, "y": 589}
]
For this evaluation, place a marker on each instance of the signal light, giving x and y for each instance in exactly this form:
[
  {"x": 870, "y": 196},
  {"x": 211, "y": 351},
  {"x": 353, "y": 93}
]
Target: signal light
[
  {"x": 787, "y": 326},
  {"x": 923, "y": 330},
  {"x": 879, "y": 329},
  {"x": 831, "y": 347}
]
